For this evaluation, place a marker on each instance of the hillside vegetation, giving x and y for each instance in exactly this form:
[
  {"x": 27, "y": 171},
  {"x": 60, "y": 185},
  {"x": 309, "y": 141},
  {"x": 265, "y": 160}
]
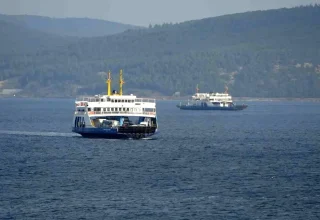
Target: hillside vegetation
[{"x": 272, "y": 53}]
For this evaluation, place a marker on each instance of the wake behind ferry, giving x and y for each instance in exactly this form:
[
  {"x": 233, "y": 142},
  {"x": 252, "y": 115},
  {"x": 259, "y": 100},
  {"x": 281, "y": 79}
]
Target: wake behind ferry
[
  {"x": 115, "y": 115},
  {"x": 211, "y": 101}
]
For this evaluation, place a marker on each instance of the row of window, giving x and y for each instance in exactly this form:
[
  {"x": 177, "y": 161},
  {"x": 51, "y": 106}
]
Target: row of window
[
  {"x": 116, "y": 100},
  {"x": 120, "y": 109},
  {"x": 122, "y": 100}
]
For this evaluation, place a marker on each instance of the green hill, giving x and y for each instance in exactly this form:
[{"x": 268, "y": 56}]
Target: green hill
[{"x": 272, "y": 53}]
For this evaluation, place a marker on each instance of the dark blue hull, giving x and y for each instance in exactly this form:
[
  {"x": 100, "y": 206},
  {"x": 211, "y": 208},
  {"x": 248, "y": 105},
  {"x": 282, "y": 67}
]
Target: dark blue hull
[
  {"x": 199, "y": 107},
  {"x": 106, "y": 136},
  {"x": 113, "y": 133}
]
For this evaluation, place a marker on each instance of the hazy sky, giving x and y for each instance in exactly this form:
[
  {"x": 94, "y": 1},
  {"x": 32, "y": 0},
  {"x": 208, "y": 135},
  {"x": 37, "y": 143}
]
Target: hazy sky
[{"x": 142, "y": 12}]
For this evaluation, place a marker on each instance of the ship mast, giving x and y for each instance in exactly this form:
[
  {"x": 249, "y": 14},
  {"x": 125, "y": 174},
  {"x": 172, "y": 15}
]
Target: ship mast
[
  {"x": 121, "y": 82},
  {"x": 197, "y": 88},
  {"x": 109, "y": 83}
]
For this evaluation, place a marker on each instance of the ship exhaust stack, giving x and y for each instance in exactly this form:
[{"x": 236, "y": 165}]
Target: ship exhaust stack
[
  {"x": 121, "y": 82},
  {"x": 109, "y": 83}
]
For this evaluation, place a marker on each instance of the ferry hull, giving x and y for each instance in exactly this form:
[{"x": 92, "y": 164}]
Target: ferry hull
[
  {"x": 120, "y": 133},
  {"x": 196, "y": 107}
]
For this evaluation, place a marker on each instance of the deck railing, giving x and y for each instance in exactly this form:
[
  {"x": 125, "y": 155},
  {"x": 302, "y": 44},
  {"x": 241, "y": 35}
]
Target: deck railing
[
  {"x": 115, "y": 112},
  {"x": 122, "y": 100}
]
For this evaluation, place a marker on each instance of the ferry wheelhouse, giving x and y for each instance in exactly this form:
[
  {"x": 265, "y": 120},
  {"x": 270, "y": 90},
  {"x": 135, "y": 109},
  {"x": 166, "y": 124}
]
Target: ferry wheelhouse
[
  {"x": 115, "y": 115},
  {"x": 211, "y": 101}
]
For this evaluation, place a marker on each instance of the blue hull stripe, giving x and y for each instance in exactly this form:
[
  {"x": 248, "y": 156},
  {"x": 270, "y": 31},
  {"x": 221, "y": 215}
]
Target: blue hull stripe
[
  {"x": 104, "y": 133},
  {"x": 95, "y": 130},
  {"x": 233, "y": 108}
]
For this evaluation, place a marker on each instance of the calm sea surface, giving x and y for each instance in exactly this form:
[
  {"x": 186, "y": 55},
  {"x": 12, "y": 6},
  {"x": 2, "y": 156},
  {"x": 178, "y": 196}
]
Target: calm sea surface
[{"x": 259, "y": 163}]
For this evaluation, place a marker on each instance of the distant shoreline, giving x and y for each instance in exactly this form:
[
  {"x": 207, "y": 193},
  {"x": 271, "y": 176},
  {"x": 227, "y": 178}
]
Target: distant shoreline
[
  {"x": 182, "y": 98},
  {"x": 275, "y": 99},
  {"x": 247, "y": 99}
]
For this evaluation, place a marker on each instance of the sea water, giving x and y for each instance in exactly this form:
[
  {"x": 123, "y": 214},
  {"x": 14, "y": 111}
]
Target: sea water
[{"x": 259, "y": 163}]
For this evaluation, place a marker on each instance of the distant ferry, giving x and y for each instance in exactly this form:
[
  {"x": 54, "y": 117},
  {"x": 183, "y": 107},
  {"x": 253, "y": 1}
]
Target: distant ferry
[
  {"x": 115, "y": 115},
  {"x": 211, "y": 101}
]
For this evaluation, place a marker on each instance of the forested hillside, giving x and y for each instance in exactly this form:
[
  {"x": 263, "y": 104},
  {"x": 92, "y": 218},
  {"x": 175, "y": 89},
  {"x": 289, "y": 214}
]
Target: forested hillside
[
  {"x": 76, "y": 27},
  {"x": 272, "y": 53},
  {"x": 19, "y": 40}
]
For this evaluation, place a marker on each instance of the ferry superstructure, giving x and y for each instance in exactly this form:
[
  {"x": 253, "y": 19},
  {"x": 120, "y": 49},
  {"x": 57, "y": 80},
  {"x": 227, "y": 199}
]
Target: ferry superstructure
[
  {"x": 115, "y": 115},
  {"x": 211, "y": 101}
]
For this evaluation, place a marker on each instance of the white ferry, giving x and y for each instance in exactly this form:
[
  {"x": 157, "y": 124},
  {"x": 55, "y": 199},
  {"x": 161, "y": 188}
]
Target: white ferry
[
  {"x": 211, "y": 101},
  {"x": 115, "y": 115}
]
